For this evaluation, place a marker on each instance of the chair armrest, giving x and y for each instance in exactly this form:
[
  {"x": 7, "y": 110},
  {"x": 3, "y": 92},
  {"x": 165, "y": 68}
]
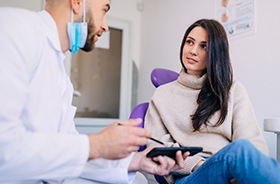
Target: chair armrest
[{"x": 272, "y": 125}]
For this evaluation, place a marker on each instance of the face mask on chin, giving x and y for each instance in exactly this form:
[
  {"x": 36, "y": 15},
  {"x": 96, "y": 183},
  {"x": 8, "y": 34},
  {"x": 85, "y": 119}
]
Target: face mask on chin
[{"x": 77, "y": 33}]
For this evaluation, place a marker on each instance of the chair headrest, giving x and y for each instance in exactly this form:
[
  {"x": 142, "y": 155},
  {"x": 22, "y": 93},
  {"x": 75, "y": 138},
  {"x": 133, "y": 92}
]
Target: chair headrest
[{"x": 161, "y": 76}]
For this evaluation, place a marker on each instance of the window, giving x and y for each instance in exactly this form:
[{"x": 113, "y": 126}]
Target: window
[{"x": 102, "y": 82}]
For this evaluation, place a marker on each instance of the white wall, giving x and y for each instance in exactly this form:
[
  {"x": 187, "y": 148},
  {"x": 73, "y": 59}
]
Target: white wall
[
  {"x": 129, "y": 11},
  {"x": 29, "y": 4},
  {"x": 255, "y": 58}
]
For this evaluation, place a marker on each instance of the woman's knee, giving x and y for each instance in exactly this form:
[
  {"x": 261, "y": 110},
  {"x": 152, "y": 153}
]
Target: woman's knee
[{"x": 243, "y": 145}]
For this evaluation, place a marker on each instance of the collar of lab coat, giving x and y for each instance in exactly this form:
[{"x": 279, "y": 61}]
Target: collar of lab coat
[{"x": 50, "y": 29}]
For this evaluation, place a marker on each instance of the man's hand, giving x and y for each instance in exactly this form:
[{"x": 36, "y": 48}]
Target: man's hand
[
  {"x": 160, "y": 165},
  {"x": 118, "y": 140}
]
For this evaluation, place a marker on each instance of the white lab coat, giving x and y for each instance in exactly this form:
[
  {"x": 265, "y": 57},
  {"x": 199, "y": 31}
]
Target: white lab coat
[{"x": 38, "y": 139}]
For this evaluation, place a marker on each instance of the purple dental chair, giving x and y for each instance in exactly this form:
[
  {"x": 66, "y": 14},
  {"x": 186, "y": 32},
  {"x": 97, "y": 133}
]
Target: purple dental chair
[{"x": 159, "y": 76}]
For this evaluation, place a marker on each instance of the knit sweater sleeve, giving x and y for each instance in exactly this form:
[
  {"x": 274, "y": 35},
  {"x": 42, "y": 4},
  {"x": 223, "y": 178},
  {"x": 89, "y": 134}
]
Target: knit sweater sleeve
[
  {"x": 244, "y": 122},
  {"x": 154, "y": 123}
]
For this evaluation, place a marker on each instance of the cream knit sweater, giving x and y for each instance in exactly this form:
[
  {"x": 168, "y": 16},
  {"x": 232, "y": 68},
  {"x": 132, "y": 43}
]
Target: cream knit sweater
[{"x": 168, "y": 118}]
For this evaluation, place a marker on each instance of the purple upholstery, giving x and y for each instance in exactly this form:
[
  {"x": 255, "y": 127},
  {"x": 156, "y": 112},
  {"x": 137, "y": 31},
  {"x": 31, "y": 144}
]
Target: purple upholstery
[
  {"x": 139, "y": 112},
  {"x": 161, "y": 76}
]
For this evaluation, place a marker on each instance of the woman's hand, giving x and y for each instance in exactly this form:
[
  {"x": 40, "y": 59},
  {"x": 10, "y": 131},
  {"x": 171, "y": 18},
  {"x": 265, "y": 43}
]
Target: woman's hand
[{"x": 160, "y": 165}]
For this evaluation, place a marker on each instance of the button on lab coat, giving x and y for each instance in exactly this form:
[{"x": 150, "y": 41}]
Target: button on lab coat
[{"x": 38, "y": 139}]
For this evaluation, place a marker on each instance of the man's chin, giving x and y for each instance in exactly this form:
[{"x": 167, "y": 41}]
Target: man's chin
[{"x": 88, "y": 48}]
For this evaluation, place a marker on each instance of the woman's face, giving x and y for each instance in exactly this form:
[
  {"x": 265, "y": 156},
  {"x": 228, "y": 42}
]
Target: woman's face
[{"x": 194, "y": 51}]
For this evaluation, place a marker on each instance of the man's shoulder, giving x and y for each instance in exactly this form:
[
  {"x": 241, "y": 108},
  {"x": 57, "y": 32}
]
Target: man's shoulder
[
  {"x": 18, "y": 18},
  {"x": 22, "y": 35},
  {"x": 18, "y": 21},
  {"x": 7, "y": 13}
]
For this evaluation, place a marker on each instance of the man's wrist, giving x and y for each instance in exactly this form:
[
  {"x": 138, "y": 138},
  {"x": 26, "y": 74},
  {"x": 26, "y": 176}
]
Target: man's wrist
[{"x": 93, "y": 148}]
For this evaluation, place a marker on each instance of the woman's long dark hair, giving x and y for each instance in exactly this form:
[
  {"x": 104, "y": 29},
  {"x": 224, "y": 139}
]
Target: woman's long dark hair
[{"x": 214, "y": 94}]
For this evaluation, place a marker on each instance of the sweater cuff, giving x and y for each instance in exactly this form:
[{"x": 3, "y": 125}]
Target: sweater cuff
[{"x": 189, "y": 165}]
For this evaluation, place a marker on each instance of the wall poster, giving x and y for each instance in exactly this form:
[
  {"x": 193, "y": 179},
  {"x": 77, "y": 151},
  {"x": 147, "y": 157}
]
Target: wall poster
[{"x": 237, "y": 16}]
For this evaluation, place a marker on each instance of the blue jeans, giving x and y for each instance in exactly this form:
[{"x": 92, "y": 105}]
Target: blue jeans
[{"x": 239, "y": 160}]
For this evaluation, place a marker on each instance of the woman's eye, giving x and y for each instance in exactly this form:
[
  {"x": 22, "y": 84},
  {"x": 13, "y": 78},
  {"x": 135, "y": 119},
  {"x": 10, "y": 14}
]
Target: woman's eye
[
  {"x": 189, "y": 42},
  {"x": 204, "y": 46}
]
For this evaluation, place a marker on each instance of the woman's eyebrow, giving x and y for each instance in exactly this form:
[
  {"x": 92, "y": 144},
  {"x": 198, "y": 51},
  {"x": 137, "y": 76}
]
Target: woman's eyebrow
[
  {"x": 203, "y": 42},
  {"x": 189, "y": 37}
]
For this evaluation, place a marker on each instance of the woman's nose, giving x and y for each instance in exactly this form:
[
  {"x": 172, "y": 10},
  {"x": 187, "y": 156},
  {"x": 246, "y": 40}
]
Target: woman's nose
[{"x": 193, "y": 51}]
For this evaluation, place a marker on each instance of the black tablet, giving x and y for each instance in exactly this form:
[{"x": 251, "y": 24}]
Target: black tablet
[{"x": 171, "y": 151}]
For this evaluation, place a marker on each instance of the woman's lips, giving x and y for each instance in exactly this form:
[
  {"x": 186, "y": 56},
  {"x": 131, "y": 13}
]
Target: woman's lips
[{"x": 191, "y": 60}]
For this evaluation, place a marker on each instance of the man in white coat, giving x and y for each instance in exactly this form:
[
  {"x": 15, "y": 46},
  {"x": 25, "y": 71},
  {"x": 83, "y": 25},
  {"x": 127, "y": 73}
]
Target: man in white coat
[{"x": 38, "y": 139}]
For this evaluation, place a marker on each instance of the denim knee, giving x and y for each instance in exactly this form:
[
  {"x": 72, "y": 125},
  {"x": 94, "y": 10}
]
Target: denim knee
[
  {"x": 242, "y": 143},
  {"x": 243, "y": 146}
]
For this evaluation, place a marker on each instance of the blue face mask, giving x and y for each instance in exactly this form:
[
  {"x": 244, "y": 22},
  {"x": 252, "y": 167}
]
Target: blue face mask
[{"x": 77, "y": 33}]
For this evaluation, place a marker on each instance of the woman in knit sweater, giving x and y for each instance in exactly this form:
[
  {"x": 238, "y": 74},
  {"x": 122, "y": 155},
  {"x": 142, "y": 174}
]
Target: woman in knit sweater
[{"x": 205, "y": 107}]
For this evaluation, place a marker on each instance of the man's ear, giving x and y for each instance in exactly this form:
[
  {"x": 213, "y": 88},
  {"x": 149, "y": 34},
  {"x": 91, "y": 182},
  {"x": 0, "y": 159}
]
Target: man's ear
[{"x": 76, "y": 6}]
